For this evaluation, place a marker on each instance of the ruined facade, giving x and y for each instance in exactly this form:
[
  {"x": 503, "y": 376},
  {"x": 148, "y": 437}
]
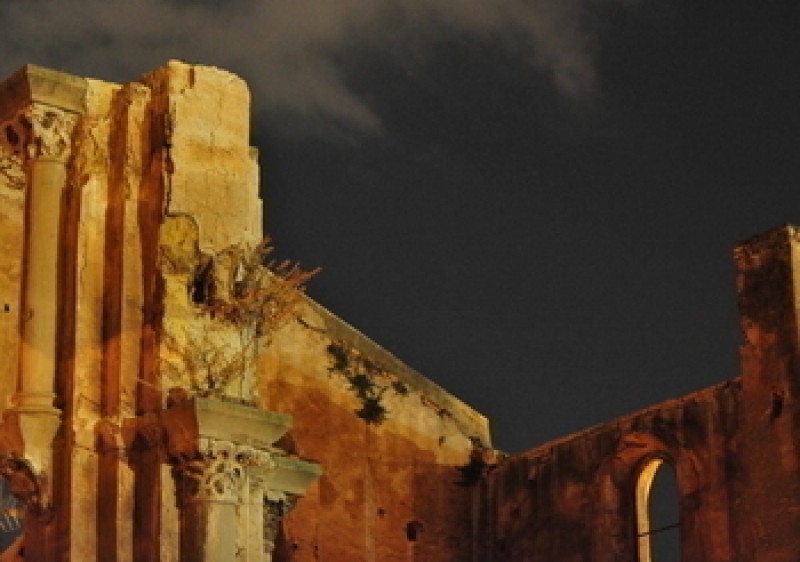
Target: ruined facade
[
  {"x": 166, "y": 398},
  {"x": 733, "y": 448}
]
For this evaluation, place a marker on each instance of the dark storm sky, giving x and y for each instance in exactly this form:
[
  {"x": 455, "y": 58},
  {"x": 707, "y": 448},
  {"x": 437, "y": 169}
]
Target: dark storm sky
[{"x": 532, "y": 203}]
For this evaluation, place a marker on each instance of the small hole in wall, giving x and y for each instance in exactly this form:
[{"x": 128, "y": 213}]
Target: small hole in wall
[
  {"x": 776, "y": 408},
  {"x": 11, "y": 135},
  {"x": 413, "y": 529},
  {"x": 381, "y": 512},
  {"x": 202, "y": 287},
  {"x": 6, "y": 308}
]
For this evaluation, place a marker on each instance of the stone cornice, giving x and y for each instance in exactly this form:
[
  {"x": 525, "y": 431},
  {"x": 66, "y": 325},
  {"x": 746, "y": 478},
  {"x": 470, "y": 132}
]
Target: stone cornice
[
  {"x": 188, "y": 421},
  {"x": 33, "y": 84}
]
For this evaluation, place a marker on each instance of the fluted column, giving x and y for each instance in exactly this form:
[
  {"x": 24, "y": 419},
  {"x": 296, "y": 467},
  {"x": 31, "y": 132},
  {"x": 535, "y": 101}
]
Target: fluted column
[{"x": 233, "y": 485}]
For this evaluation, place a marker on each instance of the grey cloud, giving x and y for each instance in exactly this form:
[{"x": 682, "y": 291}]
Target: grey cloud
[{"x": 287, "y": 49}]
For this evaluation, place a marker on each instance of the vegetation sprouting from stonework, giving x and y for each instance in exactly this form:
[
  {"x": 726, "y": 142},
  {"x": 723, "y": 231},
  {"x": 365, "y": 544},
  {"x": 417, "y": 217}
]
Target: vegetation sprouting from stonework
[
  {"x": 368, "y": 381},
  {"x": 472, "y": 471},
  {"x": 481, "y": 461},
  {"x": 207, "y": 364},
  {"x": 240, "y": 297},
  {"x": 260, "y": 292}
]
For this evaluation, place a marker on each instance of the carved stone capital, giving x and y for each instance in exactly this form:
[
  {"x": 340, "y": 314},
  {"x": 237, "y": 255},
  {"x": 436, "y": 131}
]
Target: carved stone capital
[
  {"x": 39, "y": 132},
  {"x": 219, "y": 471},
  {"x": 51, "y": 132}
]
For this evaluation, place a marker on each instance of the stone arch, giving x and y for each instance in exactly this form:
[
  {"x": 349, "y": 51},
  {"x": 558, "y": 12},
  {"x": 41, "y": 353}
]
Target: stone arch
[
  {"x": 649, "y": 471},
  {"x": 615, "y": 491}
]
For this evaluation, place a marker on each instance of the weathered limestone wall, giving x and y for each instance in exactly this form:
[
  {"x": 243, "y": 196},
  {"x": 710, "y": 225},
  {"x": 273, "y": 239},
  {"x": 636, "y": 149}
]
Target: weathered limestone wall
[
  {"x": 734, "y": 448},
  {"x": 212, "y": 172},
  {"x": 12, "y": 211},
  {"x": 148, "y": 391},
  {"x": 138, "y": 355},
  {"x": 573, "y": 499},
  {"x": 391, "y": 490}
]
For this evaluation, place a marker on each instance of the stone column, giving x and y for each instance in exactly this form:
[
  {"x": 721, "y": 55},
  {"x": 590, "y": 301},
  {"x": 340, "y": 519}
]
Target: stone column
[
  {"x": 233, "y": 486},
  {"x": 262, "y": 512},
  {"x": 42, "y": 134},
  {"x": 251, "y": 531},
  {"x": 214, "y": 500}
]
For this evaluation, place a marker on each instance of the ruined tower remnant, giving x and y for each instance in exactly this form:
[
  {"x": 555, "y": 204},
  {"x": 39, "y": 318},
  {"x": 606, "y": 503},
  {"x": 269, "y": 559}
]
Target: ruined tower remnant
[{"x": 112, "y": 194}]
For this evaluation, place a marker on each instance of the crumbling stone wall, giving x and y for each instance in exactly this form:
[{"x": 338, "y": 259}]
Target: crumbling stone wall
[
  {"x": 573, "y": 499},
  {"x": 142, "y": 403},
  {"x": 733, "y": 448},
  {"x": 391, "y": 490},
  {"x": 142, "y": 414},
  {"x": 90, "y": 174}
]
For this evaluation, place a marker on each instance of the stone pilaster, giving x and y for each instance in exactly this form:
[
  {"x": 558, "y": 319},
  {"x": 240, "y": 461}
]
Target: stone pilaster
[
  {"x": 40, "y": 135},
  {"x": 11, "y": 164},
  {"x": 768, "y": 285},
  {"x": 251, "y": 534}
]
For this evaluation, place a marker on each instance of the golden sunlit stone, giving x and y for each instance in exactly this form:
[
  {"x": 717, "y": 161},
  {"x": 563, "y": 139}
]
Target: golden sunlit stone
[{"x": 150, "y": 414}]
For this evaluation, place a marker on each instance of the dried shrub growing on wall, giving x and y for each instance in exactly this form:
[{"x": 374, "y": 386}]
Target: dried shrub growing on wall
[
  {"x": 205, "y": 363},
  {"x": 264, "y": 293},
  {"x": 241, "y": 297}
]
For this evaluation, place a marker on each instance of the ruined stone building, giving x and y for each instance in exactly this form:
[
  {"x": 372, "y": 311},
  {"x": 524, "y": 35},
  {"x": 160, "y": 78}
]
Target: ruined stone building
[{"x": 166, "y": 398}]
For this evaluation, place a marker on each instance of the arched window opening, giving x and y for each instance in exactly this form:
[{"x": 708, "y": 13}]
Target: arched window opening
[{"x": 658, "y": 513}]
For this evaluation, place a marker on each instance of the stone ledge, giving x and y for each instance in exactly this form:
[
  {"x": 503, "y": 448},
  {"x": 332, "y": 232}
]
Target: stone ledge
[
  {"x": 36, "y": 84},
  {"x": 247, "y": 425},
  {"x": 290, "y": 476},
  {"x": 189, "y": 421}
]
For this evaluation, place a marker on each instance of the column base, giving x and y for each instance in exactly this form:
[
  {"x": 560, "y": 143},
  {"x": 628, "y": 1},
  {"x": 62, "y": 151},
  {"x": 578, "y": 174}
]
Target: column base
[{"x": 38, "y": 425}]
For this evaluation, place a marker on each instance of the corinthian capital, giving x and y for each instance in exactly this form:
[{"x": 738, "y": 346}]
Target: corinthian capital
[
  {"x": 38, "y": 132},
  {"x": 219, "y": 470},
  {"x": 50, "y": 132}
]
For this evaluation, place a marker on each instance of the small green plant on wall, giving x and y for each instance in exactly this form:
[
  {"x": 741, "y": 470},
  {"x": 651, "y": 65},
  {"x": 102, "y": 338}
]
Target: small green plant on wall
[{"x": 368, "y": 381}]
